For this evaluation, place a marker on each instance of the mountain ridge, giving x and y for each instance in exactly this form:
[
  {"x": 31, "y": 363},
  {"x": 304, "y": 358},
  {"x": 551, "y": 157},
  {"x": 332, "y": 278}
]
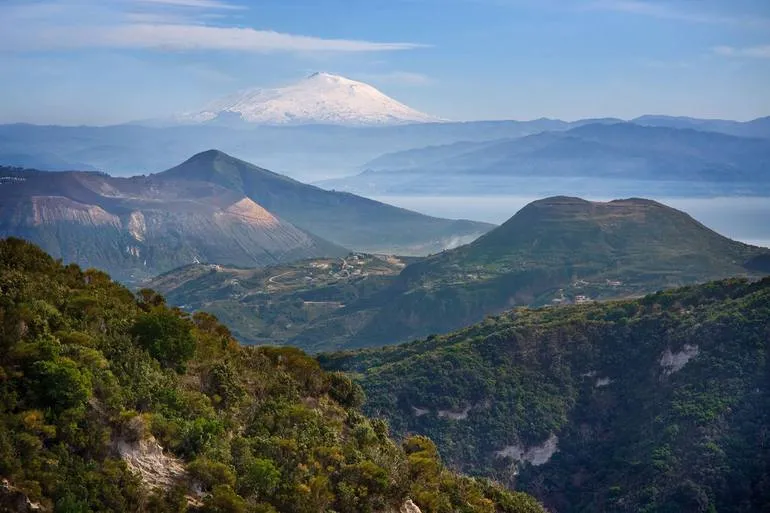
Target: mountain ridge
[
  {"x": 351, "y": 221},
  {"x": 142, "y": 408},
  {"x": 211, "y": 208},
  {"x": 139, "y": 226},
  {"x": 649, "y": 157},
  {"x": 309, "y": 152}
]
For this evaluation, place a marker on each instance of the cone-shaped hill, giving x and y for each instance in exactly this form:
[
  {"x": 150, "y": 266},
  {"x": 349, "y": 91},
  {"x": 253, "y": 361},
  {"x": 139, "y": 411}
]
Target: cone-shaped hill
[
  {"x": 346, "y": 219},
  {"x": 560, "y": 250},
  {"x": 622, "y": 238}
]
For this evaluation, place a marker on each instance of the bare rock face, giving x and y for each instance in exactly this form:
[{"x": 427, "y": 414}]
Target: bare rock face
[
  {"x": 672, "y": 362},
  {"x": 48, "y": 210},
  {"x": 14, "y": 500},
  {"x": 536, "y": 455},
  {"x": 146, "y": 458},
  {"x": 455, "y": 414},
  {"x": 406, "y": 507},
  {"x": 409, "y": 507}
]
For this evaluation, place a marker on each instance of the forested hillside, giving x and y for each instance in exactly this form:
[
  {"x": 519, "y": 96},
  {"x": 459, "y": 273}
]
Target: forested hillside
[
  {"x": 111, "y": 402},
  {"x": 659, "y": 404}
]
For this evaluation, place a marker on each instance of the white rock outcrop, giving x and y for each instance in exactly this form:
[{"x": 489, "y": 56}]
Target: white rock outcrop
[
  {"x": 146, "y": 458},
  {"x": 454, "y": 414},
  {"x": 672, "y": 362},
  {"x": 409, "y": 507},
  {"x": 536, "y": 455}
]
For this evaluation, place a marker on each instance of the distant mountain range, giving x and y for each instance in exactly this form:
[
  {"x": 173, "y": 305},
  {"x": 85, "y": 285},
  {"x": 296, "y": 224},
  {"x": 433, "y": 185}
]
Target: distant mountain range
[
  {"x": 759, "y": 127},
  {"x": 554, "y": 251},
  {"x": 212, "y": 208},
  {"x": 307, "y": 152},
  {"x": 686, "y": 160}
]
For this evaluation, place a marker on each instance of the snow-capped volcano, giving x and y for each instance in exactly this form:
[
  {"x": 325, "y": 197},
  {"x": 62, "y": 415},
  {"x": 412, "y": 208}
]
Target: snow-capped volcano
[{"x": 321, "y": 98}]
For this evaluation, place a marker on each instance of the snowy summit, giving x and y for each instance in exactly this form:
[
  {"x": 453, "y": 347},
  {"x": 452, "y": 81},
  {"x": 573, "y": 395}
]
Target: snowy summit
[{"x": 321, "y": 98}]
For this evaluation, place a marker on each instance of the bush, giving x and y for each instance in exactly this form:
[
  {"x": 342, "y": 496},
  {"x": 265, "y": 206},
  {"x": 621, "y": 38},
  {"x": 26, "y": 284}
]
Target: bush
[
  {"x": 260, "y": 478},
  {"x": 224, "y": 500},
  {"x": 211, "y": 474},
  {"x": 166, "y": 336},
  {"x": 60, "y": 384},
  {"x": 343, "y": 390}
]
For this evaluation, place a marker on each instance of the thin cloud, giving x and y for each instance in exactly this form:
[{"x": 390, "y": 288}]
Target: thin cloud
[
  {"x": 666, "y": 11},
  {"x": 181, "y": 37},
  {"x": 157, "y": 18},
  {"x": 201, "y": 4},
  {"x": 159, "y": 25},
  {"x": 755, "y": 52}
]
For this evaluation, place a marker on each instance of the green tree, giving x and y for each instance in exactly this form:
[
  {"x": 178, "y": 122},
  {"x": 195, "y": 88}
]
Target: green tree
[
  {"x": 260, "y": 478},
  {"x": 166, "y": 336},
  {"x": 343, "y": 390},
  {"x": 61, "y": 384}
]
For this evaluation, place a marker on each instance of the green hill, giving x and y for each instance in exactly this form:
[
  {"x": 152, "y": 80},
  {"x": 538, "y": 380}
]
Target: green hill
[
  {"x": 620, "y": 238},
  {"x": 111, "y": 402},
  {"x": 659, "y": 404},
  {"x": 554, "y": 251}
]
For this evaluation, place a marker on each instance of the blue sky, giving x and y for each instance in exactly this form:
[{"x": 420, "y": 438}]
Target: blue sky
[{"x": 109, "y": 61}]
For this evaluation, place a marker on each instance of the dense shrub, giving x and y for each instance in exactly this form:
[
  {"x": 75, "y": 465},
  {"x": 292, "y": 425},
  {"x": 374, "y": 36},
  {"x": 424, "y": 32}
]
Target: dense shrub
[{"x": 166, "y": 336}]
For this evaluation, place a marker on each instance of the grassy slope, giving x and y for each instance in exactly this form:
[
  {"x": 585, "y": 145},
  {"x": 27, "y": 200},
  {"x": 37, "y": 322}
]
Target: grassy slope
[{"x": 312, "y": 303}]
